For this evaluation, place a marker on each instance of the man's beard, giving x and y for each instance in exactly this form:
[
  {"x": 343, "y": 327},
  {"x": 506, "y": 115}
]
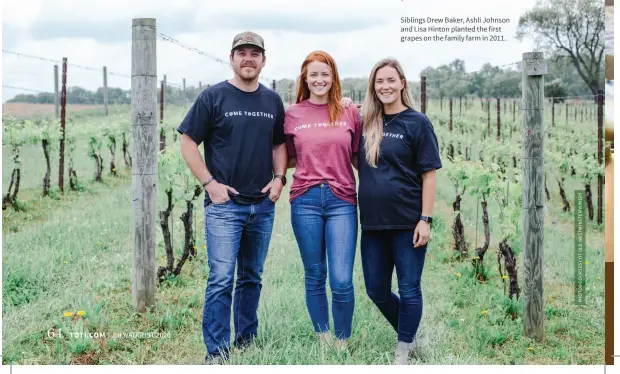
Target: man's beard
[{"x": 245, "y": 77}]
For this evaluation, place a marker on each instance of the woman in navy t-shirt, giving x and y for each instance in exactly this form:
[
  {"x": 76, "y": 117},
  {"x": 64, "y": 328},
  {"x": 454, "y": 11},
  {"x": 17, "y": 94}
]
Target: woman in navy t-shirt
[{"x": 398, "y": 160}]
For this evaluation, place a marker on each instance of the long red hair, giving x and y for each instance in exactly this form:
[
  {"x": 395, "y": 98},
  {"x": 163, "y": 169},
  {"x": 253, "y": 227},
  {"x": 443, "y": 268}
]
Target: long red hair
[{"x": 335, "y": 92}]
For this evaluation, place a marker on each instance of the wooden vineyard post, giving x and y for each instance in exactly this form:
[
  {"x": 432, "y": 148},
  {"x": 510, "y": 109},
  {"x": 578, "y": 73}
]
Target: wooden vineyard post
[
  {"x": 599, "y": 213},
  {"x": 184, "y": 94},
  {"x": 163, "y": 99},
  {"x": 161, "y": 102},
  {"x": 514, "y": 105},
  {"x": 57, "y": 98},
  {"x": 144, "y": 169},
  {"x": 162, "y": 134},
  {"x": 488, "y": 117},
  {"x": 499, "y": 123},
  {"x": 290, "y": 94},
  {"x": 105, "y": 90},
  {"x": 533, "y": 95},
  {"x": 63, "y": 105},
  {"x": 450, "y": 114},
  {"x": 423, "y": 94}
]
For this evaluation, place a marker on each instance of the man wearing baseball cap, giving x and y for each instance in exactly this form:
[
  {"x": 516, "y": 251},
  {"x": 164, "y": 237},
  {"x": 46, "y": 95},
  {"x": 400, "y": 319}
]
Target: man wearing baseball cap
[
  {"x": 240, "y": 122},
  {"x": 248, "y": 38}
]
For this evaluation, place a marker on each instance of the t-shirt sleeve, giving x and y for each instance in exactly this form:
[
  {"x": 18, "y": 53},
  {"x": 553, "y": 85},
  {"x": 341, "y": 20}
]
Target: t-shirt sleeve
[
  {"x": 357, "y": 128},
  {"x": 290, "y": 146},
  {"x": 428, "y": 149},
  {"x": 197, "y": 123},
  {"x": 290, "y": 140},
  {"x": 278, "y": 130}
]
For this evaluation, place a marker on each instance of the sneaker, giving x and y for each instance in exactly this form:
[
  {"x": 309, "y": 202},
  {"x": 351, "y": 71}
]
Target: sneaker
[
  {"x": 213, "y": 360},
  {"x": 242, "y": 343},
  {"x": 341, "y": 345},
  {"x": 325, "y": 338},
  {"x": 401, "y": 356}
]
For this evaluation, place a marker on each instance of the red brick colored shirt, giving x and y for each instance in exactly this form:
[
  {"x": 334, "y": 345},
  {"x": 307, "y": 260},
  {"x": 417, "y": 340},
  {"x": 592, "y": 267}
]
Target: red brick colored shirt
[{"x": 323, "y": 150}]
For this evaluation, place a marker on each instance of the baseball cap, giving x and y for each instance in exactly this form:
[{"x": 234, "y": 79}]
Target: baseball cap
[{"x": 248, "y": 38}]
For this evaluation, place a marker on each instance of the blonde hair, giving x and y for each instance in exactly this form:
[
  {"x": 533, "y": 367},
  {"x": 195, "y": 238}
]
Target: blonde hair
[{"x": 372, "y": 110}]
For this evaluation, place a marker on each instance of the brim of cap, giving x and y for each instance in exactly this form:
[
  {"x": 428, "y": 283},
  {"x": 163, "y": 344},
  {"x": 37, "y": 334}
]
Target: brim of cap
[{"x": 248, "y": 44}]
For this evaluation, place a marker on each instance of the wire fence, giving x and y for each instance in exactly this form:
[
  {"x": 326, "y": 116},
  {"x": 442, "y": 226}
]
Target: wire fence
[
  {"x": 463, "y": 75},
  {"x": 287, "y": 93}
]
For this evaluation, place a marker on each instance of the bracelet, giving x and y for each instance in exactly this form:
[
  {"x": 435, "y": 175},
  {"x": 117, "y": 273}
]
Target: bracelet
[
  {"x": 204, "y": 185},
  {"x": 282, "y": 178}
]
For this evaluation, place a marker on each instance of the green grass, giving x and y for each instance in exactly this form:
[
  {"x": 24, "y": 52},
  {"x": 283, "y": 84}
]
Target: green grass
[
  {"x": 78, "y": 257},
  {"x": 35, "y": 209},
  {"x": 73, "y": 252}
]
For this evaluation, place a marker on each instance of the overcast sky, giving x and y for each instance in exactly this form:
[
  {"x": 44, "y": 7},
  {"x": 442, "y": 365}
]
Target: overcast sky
[{"x": 357, "y": 34}]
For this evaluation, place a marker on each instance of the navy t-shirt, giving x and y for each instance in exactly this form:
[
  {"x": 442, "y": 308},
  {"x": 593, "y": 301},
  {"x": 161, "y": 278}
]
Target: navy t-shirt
[
  {"x": 238, "y": 130},
  {"x": 390, "y": 196}
]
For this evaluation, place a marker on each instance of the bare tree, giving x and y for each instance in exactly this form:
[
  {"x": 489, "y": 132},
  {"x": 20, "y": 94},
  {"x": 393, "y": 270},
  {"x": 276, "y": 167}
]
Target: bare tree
[{"x": 574, "y": 28}]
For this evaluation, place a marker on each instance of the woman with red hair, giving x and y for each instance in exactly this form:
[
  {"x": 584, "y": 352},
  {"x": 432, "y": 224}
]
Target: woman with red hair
[{"x": 323, "y": 136}]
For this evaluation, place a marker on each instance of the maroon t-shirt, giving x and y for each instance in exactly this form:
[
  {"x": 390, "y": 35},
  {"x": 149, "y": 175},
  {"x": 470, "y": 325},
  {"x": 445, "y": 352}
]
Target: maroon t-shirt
[{"x": 323, "y": 150}]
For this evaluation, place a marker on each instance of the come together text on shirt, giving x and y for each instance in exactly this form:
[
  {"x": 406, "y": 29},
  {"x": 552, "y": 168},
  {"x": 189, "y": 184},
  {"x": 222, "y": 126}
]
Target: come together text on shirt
[
  {"x": 391, "y": 135},
  {"x": 321, "y": 124},
  {"x": 248, "y": 114}
]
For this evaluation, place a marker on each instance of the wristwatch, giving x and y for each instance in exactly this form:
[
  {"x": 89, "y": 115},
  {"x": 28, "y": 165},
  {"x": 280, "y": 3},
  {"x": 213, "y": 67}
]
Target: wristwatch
[
  {"x": 282, "y": 178},
  {"x": 427, "y": 219}
]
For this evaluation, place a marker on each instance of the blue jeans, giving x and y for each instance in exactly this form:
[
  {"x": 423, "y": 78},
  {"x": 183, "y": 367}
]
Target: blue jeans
[
  {"x": 235, "y": 234},
  {"x": 382, "y": 251},
  {"x": 326, "y": 231}
]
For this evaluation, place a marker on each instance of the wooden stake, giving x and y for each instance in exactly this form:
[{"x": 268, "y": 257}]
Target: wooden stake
[
  {"x": 499, "y": 123},
  {"x": 534, "y": 69},
  {"x": 423, "y": 95},
  {"x": 450, "y": 114},
  {"x": 599, "y": 213},
  {"x": 105, "y": 90},
  {"x": 57, "y": 98},
  {"x": 63, "y": 105},
  {"x": 488, "y": 117},
  {"x": 144, "y": 169}
]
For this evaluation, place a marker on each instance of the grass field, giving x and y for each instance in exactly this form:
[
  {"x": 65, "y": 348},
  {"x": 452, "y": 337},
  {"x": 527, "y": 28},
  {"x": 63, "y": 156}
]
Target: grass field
[
  {"x": 74, "y": 253},
  {"x": 78, "y": 257}
]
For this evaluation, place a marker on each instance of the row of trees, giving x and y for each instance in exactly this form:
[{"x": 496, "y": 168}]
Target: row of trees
[
  {"x": 79, "y": 95},
  {"x": 449, "y": 80},
  {"x": 452, "y": 80}
]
